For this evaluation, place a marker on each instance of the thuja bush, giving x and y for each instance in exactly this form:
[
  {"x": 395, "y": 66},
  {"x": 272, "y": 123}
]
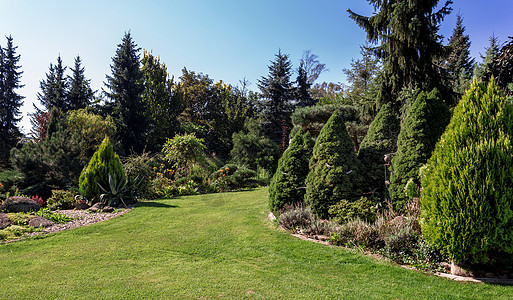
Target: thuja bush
[
  {"x": 103, "y": 163},
  {"x": 425, "y": 122},
  {"x": 334, "y": 169},
  {"x": 288, "y": 183},
  {"x": 467, "y": 195},
  {"x": 380, "y": 140}
]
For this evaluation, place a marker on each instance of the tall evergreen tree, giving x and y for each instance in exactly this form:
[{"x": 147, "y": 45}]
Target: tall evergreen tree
[
  {"x": 54, "y": 88},
  {"x": 10, "y": 100},
  {"x": 459, "y": 63},
  {"x": 486, "y": 69},
  {"x": 409, "y": 44},
  {"x": 302, "y": 93},
  {"x": 79, "y": 94},
  {"x": 126, "y": 88},
  {"x": 278, "y": 94},
  {"x": 504, "y": 67}
]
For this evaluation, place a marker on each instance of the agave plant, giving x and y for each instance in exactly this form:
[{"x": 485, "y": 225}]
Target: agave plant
[{"x": 118, "y": 191}]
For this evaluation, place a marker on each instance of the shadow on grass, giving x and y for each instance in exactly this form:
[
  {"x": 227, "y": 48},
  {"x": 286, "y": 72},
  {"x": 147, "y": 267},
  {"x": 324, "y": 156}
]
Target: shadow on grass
[{"x": 155, "y": 204}]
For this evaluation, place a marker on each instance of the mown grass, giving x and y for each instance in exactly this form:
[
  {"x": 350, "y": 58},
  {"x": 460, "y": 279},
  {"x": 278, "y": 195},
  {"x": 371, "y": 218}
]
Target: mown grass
[{"x": 207, "y": 247}]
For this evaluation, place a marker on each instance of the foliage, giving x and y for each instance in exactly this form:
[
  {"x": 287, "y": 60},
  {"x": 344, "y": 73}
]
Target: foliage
[
  {"x": 19, "y": 219},
  {"x": 312, "y": 66},
  {"x": 103, "y": 163},
  {"x": 231, "y": 177},
  {"x": 254, "y": 150},
  {"x": 468, "y": 187},
  {"x": 54, "y": 217},
  {"x": 420, "y": 131},
  {"x": 504, "y": 67},
  {"x": 485, "y": 70},
  {"x": 10, "y": 100},
  {"x": 409, "y": 44},
  {"x": 79, "y": 94},
  {"x": 125, "y": 91},
  {"x": 288, "y": 183},
  {"x": 53, "y": 88},
  {"x": 119, "y": 191},
  {"x": 141, "y": 167},
  {"x": 334, "y": 169},
  {"x": 184, "y": 151},
  {"x": 459, "y": 63},
  {"x": 313, "y": 118},
  {"x": 302, "y": 92},
  {"x": 345, "y": 211},
  {"x": 61, "y": 199}
]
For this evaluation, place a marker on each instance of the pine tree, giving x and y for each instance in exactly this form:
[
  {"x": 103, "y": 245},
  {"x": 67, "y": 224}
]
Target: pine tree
[
  {"x": 421, "y": 129},
  {"x": 486, "y": 69},
  {"x": 10, "y": 100},
  {"x": 380, "y": 140},
  {"x": 54, "y": 88},
  {"x": 126, "y": 88},
  {"x": 409, "y": 45},
  {"x": 459, "y": 63},
  {"x": 79, "y": 93},
  {"x": 334, "y": 169},
  {"x": 302, "y": 92},
  {"x": 467, "y": 195},
  {"x": 278, "y": 94},
  {"x": 288, "y": 183}
]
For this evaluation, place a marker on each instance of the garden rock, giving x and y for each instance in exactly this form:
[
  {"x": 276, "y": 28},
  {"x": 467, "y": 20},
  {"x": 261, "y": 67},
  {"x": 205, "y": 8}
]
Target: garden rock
[
  {"x": 38, "y": 221},
  {"x": 81, "y": 206},
  {"x": 19, "y": 204},
  {"x": 4, "y": 221},
  {"x": 107, "y": 209},
  {"x": 97, "y": 207}
]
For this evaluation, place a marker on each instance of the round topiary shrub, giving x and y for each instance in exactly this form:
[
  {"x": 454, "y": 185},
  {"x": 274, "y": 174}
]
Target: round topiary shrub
[
  {"x": 103, "y": 163},
  {"x": 288, "y": 183},
  {"x": 334, "y": 169},
  {"x": 467, "y": 195}
]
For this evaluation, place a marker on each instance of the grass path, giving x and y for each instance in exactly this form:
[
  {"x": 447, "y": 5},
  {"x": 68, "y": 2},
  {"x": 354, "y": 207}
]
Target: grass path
[{"x": 207, "y": 247}]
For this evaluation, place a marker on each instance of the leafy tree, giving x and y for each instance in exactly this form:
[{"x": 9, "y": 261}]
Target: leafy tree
[
  {"x": 278, "y": 93},
  {"x": 104, "y": 162},
  {"x": 467, "y": 195},
  {"x": 379, "y": 141},
  {"x": 79, "y": 93},
  {"x": 504, "y": 67},
  {"x": 459, "y": 63},
  {"x": 312, "y": 66},
  {"x": 54, "y": 88},
  {"x": 302, "y": 93},
  {"x": 334, "y": 169},
  {"x": 126, "y": 88},
  {"x": 184, "y": 151},
  {"x": 288, "y": 183},
  {"x": 420, "y": 131},
  {"x": 409, "y": 44},
  {"x": 251, "y": 148},
  {"x": 163, "y": 101},
  {"x": 10, "y": 100}
]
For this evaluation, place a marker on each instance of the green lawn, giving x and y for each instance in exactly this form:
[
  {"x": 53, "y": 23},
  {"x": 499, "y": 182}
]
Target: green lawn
[{"x": 207, "y": 247}]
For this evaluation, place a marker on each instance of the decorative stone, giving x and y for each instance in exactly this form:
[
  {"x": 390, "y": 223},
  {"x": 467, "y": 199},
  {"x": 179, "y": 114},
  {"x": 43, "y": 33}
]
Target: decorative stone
[
  {"x": 459, "y": 271},
  {"x": 4, "y": 221},
  {"x": 38, "y": 221},
  {"x": 19, "y": 204},
  {"x": 107, "y": 209},
  {"x": 81, "y": 206}
]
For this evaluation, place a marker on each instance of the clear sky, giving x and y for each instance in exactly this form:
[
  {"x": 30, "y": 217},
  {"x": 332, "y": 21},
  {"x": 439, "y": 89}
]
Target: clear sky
[{"x": 227, "y": 39}]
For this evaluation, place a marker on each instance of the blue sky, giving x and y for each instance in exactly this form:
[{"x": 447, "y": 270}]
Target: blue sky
[{"x": 228, "y": 40}]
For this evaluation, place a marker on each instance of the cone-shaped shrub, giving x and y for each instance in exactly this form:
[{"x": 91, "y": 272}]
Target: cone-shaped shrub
[
  {"x": 467, "y": 196},
  {"x": 334, "y": 170},
  {"x": 380, "y": 140},
  {"x": 424, "y": 124},
  {"x": 103, "y": 163},
  {"x": 288, "y": 183}
]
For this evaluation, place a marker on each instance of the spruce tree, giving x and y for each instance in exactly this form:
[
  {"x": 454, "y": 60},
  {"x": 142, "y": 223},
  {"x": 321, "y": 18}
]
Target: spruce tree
[
  {"x": 380, "y": 140},
  {"x": 487, "y": 68},
  {"x": 421, "y": 129},
  {"x": 278, "y": 94},
  {"x": 334, "y": 169},
  {"x": 467, "y": 195},
  {"x": 10, "y": 100},
  {"x": 79, "y": 93},
  {"x": 409, "y": 44},
  {"x": 288, "y": 183},
  {"x": 459, "y": 63},
  {"x": 126, "y": 88},
  {"x": 302, "y": 92},
  {"x": 54, "y": 88}
]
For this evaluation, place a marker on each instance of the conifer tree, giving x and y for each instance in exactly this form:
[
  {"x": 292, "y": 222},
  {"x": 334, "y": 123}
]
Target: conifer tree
[
  {"x": 459, "y": 63},
  {"x": 288, "y": 183},
  {"x": 486, "y": 69},
  {"x": 421, "y": 129},
  {"x": 407, "y": 31},
  {"x": 467, "y": 195},
  {"x": 380, "y": 140},
  {"x": 278, "y": 94},
  {"x": 79, "y": 93},
  {"x": 126, "y": 88},
  {"x": 334, "y": 169},
  {"x": 504, "y": 67},
  {"x": 302, "y": 93},
  {"x": 10, "y": 100},
  {"x": 54, "y": 88}
]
